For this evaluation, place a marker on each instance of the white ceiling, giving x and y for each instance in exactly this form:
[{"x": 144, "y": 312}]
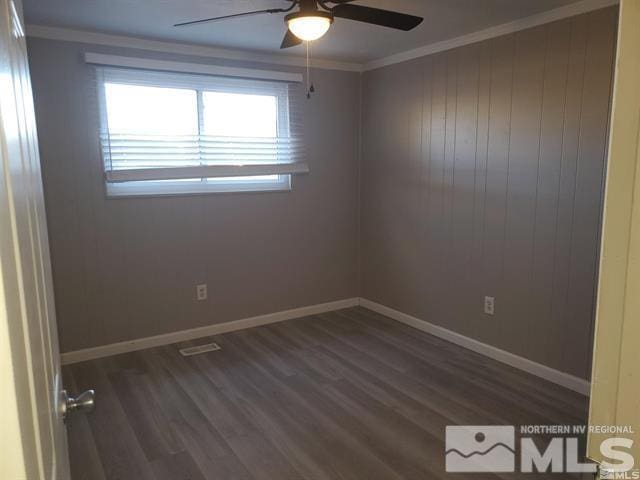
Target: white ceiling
[{"x": 346, "y": 41}]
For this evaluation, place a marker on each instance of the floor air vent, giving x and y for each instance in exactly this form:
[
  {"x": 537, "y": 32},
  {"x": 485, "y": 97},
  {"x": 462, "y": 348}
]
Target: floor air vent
[{"x": 209, "y": 347}]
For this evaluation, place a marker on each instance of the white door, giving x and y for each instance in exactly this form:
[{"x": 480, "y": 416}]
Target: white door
[
  {"x": 33, "y": 443},
  {"x": 615, "y": 384}
]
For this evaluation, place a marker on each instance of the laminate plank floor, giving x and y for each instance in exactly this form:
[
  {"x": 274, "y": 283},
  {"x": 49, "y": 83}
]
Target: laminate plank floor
[{"x": 343, "y": 395}]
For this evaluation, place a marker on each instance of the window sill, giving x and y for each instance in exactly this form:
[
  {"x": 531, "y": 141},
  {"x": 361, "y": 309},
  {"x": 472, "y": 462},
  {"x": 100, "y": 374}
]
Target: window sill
[{"x": 169, "y": 189}]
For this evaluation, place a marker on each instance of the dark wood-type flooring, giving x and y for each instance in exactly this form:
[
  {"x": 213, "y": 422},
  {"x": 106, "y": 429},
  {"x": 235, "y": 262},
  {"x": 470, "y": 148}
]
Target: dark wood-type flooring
[{"x": 343, "y": 395}]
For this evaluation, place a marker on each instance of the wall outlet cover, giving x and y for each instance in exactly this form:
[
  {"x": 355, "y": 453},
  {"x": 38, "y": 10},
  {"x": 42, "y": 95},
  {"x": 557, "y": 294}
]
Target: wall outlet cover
[
  {"x": 489, "y": 305},
  {"x": 201, "y": 292}
]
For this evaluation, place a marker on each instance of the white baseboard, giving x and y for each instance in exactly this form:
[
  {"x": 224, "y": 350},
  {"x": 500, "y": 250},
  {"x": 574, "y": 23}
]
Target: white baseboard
[
  {"x": 556, "y": 376},
  {"x": 183, "y": 335},
  {"x": 561, "y": 378}
]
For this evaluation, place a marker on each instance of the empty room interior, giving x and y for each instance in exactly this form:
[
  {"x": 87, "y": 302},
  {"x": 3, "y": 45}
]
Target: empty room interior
[{"x": 320, "y": 240}]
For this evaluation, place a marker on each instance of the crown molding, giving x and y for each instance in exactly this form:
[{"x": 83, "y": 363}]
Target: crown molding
[
  {"x": 95, "y": 38},
  {"x": 549, "y": 16}
]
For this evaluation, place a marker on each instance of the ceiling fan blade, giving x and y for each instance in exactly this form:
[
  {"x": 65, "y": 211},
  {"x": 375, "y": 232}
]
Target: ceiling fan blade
[
  {"x": 235, "y": 15},
  {"x": 376, "y": 16},
  {"x": 290, "y": 40}
]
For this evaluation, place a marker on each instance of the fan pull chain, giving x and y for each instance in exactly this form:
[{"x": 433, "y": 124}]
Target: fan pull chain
[{"x": 310, "y": 87}]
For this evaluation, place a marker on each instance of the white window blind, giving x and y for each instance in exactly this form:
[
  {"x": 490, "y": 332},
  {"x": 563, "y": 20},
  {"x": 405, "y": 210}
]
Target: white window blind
[{"x": 165, "y": 132}]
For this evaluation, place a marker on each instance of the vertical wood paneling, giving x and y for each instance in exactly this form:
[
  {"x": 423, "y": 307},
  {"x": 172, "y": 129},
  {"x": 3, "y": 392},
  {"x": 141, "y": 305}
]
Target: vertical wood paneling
[
  {"x": 423, "y": 260},
  {"x": 480, "y": 180},
  {"x": 414, "y": 191},
  {"x": 524, "y": 147},
  {"x": 501, "y": 93},
  {"x": 589, "y": 177},
  {"x": 513, "y": 149},
  {"x": 548, "y": 191},
  {"x": 447, "y": 275},
  {"x": 435, "y": 263},
  {"x": 464, "y": 169},
  {"x": 560, "y": 313}
]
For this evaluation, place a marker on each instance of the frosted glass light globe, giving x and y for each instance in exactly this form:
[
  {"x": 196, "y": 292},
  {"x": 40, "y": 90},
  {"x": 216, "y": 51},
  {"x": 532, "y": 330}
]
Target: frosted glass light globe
[{"x": 309, "y": 28}]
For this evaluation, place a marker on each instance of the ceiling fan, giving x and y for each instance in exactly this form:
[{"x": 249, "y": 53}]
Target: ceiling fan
[{"x": 313, "y": 18}]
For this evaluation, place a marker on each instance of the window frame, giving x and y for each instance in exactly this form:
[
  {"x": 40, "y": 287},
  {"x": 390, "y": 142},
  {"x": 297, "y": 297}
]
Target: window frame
[{"x": 229, "y": 182}]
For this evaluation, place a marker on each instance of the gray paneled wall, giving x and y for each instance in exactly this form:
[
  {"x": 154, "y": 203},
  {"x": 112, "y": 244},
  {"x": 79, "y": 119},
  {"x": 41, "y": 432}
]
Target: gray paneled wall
[
  {"x": 482, "y": 173},
  {"x": 127, "y": 268}
]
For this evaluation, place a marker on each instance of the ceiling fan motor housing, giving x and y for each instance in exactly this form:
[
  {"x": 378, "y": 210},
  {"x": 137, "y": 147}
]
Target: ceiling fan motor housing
[
  {"x": 308, "y": 5},
  {"x": 308, "y": 8}
]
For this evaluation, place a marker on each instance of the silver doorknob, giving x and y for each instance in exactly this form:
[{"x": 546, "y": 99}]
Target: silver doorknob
[{"x": 85, "y": 402}]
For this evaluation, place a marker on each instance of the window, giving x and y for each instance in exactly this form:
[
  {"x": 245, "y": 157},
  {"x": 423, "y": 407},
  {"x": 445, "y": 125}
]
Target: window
[{"x": 181, "y": 133}]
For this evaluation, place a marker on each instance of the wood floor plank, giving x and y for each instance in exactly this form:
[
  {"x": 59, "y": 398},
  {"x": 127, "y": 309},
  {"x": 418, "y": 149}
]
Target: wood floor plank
[
  {"x": 87, "y": 464},
  {"x": 387, "y": 393},
  {"x": 256, "y": 452},
  {"x": 360, "y": 460},
  {"x": 152, "y": 429},
  {"x": 346, "y": 395},
  {"x": 121, "y": 454},
  {"x": 460, "y": 410},
  {"x": 332, "y": 407},
  {"x": 327, "y": 441},
  {"x": 205, "y": 444},
  {"x": 176, "y": 466}
]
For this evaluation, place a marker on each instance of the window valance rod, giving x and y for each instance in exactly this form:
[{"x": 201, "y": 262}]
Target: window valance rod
[{"x": 196, "y": 68}]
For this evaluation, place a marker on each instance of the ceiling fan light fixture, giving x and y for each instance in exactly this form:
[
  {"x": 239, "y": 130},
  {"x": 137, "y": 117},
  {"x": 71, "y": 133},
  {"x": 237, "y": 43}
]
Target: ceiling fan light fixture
[{"x": 309, "y": 26}]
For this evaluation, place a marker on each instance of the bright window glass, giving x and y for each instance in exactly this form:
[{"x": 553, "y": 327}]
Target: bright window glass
[
  {"x": 136, "y": 109},
  {"x": 240, "y": 115}
]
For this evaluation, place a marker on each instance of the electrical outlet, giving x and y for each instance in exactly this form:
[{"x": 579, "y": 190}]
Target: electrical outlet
[
  {"x": 489, "y": 305},
  {"x": 201, "y": 292}
]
